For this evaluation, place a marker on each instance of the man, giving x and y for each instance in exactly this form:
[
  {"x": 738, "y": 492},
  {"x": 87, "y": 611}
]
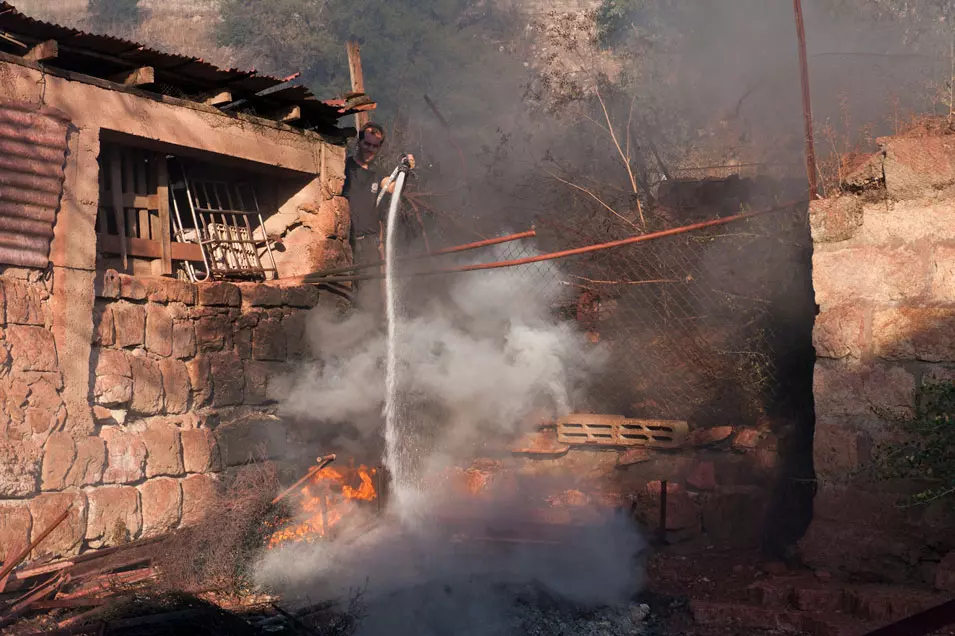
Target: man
[{"x": 363, "y": 182}]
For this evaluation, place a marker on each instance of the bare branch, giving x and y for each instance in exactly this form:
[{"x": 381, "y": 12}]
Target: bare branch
[
  {"x": 626, "y": 160},
  {"x": 595, "y": 198}
]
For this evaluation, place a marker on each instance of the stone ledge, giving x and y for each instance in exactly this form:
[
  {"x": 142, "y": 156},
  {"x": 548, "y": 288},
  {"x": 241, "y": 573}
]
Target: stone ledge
[{"x": 915, "y": 165}]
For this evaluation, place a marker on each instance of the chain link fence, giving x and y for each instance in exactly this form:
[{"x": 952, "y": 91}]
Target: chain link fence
[{"x": 700, "y": 325}]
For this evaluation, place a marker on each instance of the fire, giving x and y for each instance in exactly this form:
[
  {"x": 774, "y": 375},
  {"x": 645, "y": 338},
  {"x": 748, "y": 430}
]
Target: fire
[{"x": 327, "y": 498}]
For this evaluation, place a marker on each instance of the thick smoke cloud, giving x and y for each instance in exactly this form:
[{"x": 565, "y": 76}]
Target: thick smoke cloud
[{"x": 482, "y": 355}]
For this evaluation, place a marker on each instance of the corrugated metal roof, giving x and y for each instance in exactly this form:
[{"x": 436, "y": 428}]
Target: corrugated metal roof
[
  {"x": 190, "y": 74},
  {"x": 33, "y": 146}
]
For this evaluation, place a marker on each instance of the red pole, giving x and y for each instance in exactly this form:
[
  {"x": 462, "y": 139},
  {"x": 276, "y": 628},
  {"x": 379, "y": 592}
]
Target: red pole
[
  {"x": 571, "y": 252},
  {"x": 806, "y": 102}
]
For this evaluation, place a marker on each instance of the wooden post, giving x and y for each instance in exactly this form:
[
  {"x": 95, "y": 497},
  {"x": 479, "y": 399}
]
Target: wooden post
[
  {"x": 164, "y": 226},
  {"x": 357, "y": 78},
  {"x": 119, "y": 212}
]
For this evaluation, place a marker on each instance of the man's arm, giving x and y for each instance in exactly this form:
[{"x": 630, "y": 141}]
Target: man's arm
[{"x": 388, "y": 185}]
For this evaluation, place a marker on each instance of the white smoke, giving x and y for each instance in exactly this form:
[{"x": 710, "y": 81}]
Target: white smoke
[
  {"x": 479, "y": 356},
  {"x": 486, "y": 351}
]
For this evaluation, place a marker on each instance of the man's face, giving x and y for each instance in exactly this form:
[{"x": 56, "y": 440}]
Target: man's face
[{"x": 369, "y": 145}]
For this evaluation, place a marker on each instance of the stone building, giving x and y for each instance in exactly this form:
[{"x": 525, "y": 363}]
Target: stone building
[{"x": 137, "y": 361}]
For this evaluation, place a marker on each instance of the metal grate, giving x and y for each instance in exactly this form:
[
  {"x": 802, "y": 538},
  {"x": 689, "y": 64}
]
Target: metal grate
[
  {"x": 616, "y": 430},
  {"x": 227, "y": 226}
]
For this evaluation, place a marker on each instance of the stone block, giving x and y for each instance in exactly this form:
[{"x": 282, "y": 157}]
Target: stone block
[
  {"x": 294, "y": 325},
  {"x": 251, "y": 438},
  {"x": 840, "y": 448},
  {"x": 115, "y": 516},
  {"x": 158, "y": 330},
  {"x": 228, "y": 379},
  {"x": 710, "y": 436},
  {"x": 126, "y": 456},
  {"x": 332, "y": 218},
  {"x": 90, "y": 462},
  {"x": 848, "y": 388},
  {"x": 917, "y": 165},
  {"x": 914, "y": 333},
  {"x": 112, "y": 390},
  {"x": 301, "y": 296},
  {"x": 702, "y": 476},
  {"x": 46, "y": 410},
  {"x": 131, "y": 287},
  {"x": 67, "y": 538},
  {"x": 268, "y": 341},
  {"x": 107, "y": 285},
  {"x": 840, "y": 332},
  {"x": 161, "y": 502},
  {"x": 163, "y": 451},
  {"x": 256, "y": 382},
  {"x": 746, "y": 440},
  {"x": 898, "y": 222},
  {"x": 834, "y": 220},
  {"x": 31, "y": 348},
  {"x": 59, "y": 453},
  {"x": 735, "y": 517},
  {"x": 262, "y": 295},
  {"x": 147, "y": 398},
  {"x": 281, "y": 381},
  {"x": 112, "y": 362},
  {"x": 865, "y": 172},
  {"x": 853, "y": 275},
  {"x": 200, "y": 378},
  {"x": 15, "y": 524},
  {"x": 198, "y": 496},
  {"x": 19, "y": 468},
  {"x": 130, "y": 324},
  {"x": 24, "y": 305},
  {"x": 104, "y": 332},
  {"x": 200, "y": 451},
  {"x": 176, "y": 385},
  {"x": 183, "y": 339},
  {"x": 170, "y": 290},
  {"x": 212, "y": 333},
  {"x": 219, "y": 294},
  {"x": 944, "y": 575},
  {"x": 943, "y": 279}
]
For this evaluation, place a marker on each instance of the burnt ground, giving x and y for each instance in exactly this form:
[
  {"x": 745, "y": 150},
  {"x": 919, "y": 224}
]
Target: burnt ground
[{"x": 690, "y": 592}]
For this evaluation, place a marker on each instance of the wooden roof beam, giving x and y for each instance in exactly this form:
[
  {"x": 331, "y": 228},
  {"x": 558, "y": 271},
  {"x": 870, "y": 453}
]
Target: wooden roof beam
[
  {"x": 216, "y": 98},
  {"x": 43, "y": 51},
  {"x": 136, "y": 77}
]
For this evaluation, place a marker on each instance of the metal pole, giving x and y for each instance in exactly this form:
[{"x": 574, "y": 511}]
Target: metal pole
[
  {"x": 572, "y": 252},
  {"x": 806, "y": 102},
  {"x": 442, "y": 252}
]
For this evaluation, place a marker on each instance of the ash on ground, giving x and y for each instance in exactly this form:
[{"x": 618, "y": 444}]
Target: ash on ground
[{"x": 525, "y": 611}]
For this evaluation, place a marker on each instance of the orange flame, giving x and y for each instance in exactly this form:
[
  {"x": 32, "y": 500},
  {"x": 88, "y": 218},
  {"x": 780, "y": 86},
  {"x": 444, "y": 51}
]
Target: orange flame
[{"x": 327, "y": 498}]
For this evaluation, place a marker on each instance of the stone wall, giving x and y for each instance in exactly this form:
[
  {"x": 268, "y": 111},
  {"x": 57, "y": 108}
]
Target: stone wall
[
  {"x": 184, "y": 383},
  {"x": 884, "y": 277},
  {"x": 123, "y": 398}
]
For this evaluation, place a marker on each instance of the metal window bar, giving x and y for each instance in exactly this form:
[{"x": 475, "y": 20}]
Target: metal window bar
[{"x": 226, "y": 226}]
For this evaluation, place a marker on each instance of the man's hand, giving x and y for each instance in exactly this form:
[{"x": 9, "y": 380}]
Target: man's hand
[{"x": 388, "y": 185}]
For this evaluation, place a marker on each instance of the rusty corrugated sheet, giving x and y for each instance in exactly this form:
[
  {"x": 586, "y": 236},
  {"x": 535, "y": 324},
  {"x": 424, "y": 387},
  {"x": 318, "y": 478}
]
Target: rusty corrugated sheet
[
  {"x": 191, "y": 73},
  {"x": 33, "y": 145}
]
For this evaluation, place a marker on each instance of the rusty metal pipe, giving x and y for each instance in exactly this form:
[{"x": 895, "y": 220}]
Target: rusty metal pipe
[
  {"x": 806, "y": 102},
  {"x": 322, "y": 463},
  {"x": 442, "y": 252},
  {"x": 576, "y": 251}
]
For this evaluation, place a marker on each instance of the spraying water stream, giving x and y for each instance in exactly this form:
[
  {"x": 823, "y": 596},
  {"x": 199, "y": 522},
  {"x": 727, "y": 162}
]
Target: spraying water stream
[{"x": 394, "y": 455}]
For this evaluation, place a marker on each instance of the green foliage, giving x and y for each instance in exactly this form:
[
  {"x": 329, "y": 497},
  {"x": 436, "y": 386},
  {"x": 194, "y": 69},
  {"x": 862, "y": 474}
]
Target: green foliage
[
  {"x": 114, "y": 15},
  {"x": 928, "y": 455}
]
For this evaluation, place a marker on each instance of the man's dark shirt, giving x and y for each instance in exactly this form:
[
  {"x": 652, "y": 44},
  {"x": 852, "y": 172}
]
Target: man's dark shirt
[{"x": 361, "y": 190}]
